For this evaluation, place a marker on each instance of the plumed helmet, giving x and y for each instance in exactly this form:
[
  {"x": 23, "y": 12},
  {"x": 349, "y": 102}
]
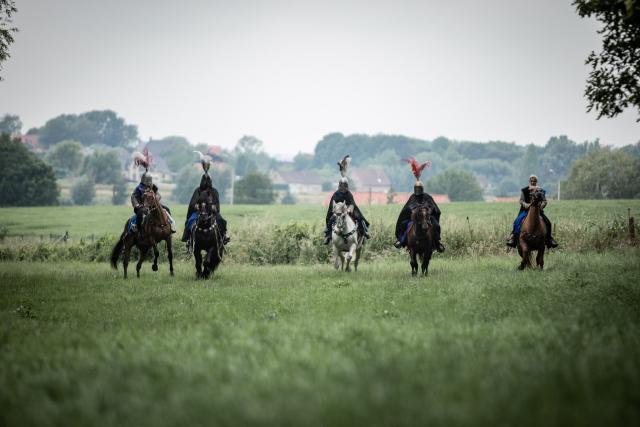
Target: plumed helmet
[
  {"x": 418, "y": 188},
  {"x": 146, "y": 180},
  {"x": 343, "y": 184},
  {"x": 205, "y": 182}
]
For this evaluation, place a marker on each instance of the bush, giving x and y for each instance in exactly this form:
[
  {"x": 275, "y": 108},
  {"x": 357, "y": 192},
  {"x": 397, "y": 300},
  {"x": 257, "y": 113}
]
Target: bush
[{"x": 83, "y": 191}]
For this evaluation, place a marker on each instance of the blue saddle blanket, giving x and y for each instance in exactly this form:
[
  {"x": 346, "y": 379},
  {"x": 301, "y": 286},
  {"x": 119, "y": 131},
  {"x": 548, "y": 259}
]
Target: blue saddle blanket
[
  {"x": 191, "y": 220},
  {"x": 132, "y": 222},
  {"x": 406, "y": 229},
  {"x": 517, "y": 224}
]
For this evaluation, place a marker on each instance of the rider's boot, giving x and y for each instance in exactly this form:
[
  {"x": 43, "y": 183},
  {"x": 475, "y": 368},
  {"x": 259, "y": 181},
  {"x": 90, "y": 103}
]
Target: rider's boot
[
  {"x": 365, "y": 230},
  {"x": 185, "y": 235},
  {"x": 512, "y": 241},
  {"x": 327, "y": 236},
  {"x": 439, "y": 246},
  {"x": 225, "y": 238},
  {"x": 551, "y": 243},
  {"x": 398, "y": 244},
  {"x": 173, "y": 227}
]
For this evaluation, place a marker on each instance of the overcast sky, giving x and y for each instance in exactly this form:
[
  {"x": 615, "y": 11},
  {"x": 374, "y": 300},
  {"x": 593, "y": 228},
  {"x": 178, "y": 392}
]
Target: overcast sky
[{"x": 289, "y": 72}]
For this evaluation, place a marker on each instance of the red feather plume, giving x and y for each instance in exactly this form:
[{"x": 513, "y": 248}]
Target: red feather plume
[
  {"x": 416, "y": 167},
  {"x": 143, "y": 159}
]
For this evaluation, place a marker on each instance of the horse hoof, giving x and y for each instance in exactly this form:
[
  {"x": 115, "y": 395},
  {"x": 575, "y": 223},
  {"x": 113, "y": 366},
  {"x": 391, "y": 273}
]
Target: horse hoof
[{"x": 154, "y": 267}]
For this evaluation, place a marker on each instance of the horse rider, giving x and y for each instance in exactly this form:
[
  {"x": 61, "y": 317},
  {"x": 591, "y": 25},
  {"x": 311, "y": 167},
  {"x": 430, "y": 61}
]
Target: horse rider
[
  {"x": 342, "y": 194},
  {"x": 419, "y": 197},
  {"x": 146, "y": 184},
  {"x": 205, "y": 192},
  {"x": 525, "y": 203}
]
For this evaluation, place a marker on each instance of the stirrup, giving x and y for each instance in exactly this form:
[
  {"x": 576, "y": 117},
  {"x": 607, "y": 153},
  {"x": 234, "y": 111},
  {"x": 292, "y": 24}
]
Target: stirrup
[{"x": 398, "y": 244}]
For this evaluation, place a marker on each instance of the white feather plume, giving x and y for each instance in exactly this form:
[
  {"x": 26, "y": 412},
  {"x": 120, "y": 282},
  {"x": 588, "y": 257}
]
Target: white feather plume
[
  {"x": 344, "y": 165},
  {"x": 205, "y": 159}
]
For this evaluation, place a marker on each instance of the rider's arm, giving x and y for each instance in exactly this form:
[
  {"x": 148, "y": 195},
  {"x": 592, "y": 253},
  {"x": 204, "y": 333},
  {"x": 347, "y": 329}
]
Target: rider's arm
[{"x": 524, "y": 204}]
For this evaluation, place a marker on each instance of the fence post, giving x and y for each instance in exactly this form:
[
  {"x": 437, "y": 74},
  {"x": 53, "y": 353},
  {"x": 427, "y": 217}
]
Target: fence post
[
  {"x": 470, "y": 231},
  {"x": 632, "y": 226}
]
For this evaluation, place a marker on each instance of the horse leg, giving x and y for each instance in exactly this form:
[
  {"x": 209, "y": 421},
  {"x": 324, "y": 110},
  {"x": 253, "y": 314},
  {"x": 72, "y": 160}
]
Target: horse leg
[
  {"x": 125, "y": 257},
  {"x": 540, "y": 258},
  {"x": 156, "y": 253},
  {"x": 143, "y": 255},
  {"x": 170, "y": 254},
  {"x": 426, "y": 258},
  {"x": 413, "y": 262},
  {"x": 336, "y": 258},
  {"x": 523, "y": 250},
  {"x": 350, "y": 254},
  {"x": 355, "y": 261},
  {"x": 197, "y": 256}
]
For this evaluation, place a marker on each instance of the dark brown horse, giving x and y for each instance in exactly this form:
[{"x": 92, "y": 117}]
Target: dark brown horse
[
  {"x": 420, "y": 239},
  {"x": 533, "y": 232},
  {"x": 154, "y": 228}
]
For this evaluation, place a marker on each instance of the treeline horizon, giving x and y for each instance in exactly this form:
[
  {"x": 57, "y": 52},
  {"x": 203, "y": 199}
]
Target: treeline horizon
[{"x": 492, "y": 168}]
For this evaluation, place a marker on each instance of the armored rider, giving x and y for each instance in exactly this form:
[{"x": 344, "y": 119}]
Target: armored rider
[
  {"x": 146, "y": 184},
  {"x": 525, "y": 203},
  {"x": 342, "y": 194},
  {"x": 204, "y": 193},
  {"x": 419, "y": 197}
]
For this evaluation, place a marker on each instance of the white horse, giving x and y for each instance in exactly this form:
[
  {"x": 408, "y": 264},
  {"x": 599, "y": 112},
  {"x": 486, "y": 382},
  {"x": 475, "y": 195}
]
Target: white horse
[{"x": 344, "y": 235}]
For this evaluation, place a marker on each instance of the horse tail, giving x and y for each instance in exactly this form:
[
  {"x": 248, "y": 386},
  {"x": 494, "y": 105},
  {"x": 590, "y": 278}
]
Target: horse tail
[{"x": 117, "y": 250}]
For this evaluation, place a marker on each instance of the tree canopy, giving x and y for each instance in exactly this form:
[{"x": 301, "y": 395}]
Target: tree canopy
[
  {"x": 65, "y": 157},
  {"x": 613, "y": 84},
  {"x": 25, "y": 180},
  {"x": 254, "y": 189},
  {"x": 604, "y": 174},
  {"x": 7, "y": 9},
  {"x": 10, "y": 124},
  {"x": 94, "y": 127},
  {"x": 460, "y": 185}
]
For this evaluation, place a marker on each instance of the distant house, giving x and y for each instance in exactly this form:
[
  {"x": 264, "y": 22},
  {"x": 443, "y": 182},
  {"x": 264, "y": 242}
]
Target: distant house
[
  {"x": 31, "y": 142},
  {"x": 370, "y": 179},
  {"x": 298, "y": 182}
]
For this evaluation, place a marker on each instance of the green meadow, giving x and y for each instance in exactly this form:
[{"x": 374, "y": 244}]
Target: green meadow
[{"x": 277, "y": 339}]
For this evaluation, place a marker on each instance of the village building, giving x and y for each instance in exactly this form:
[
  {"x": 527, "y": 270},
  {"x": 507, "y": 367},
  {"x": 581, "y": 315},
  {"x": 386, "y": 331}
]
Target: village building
[
  {"x": 297, "y": 182},
  {"x": 373, "y": 180}
]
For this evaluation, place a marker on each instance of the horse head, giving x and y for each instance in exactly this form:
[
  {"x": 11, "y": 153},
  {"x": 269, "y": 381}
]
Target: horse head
[
  {"x": 421, "y": 216},
  {"x": 537, "y": 196},
  {"x": 206, "y": 214}
]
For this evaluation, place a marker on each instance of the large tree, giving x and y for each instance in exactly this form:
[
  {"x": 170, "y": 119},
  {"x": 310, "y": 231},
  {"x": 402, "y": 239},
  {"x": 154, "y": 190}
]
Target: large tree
[
  {"x": 25, "y": 180},
  {"x": 254, "y": 189},
  {"x": 614, "y": 81},
  {"x": 7, "y": 9},
  {"x": 604, "y": 174},
  {"x": 103, "y": 166},
  {"x": 10, "y": 124},
  {"x": 460, "y": 185},
  {"x": 65, "y": 157},
  {"x": 93, "y": 127}
]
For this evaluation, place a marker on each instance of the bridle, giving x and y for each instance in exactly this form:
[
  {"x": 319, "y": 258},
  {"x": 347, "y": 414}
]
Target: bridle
[{"x": 341, "y": 222}]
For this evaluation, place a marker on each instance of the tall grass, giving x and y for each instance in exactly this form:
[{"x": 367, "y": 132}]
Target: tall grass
[{"x": 474, "y": 343}]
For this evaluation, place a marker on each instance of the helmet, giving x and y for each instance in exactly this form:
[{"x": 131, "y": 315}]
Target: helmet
[
  {"x": 418, "y": 188},
  {"x": 205, "y": 182},
  {"x": 343, "y": 184},
  {"x": 146, "y": 180}
]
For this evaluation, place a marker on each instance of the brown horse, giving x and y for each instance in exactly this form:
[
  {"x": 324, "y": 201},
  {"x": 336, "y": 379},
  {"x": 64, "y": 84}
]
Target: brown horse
[
  {"x": 420, "y": 239},
  {"x": 154, "y": 228},
  {"x": 533, "y": 232}
]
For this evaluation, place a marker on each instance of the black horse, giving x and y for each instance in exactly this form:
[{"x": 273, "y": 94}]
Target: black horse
[{"x": 207, "y": 237}]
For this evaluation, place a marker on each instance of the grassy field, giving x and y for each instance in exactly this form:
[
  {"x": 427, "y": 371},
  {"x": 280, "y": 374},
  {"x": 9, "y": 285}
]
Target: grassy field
[
  {"x": 263, "y": 343},
  {"x": 99, "y": 220},
  {"x": 475, "y": 343}
]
